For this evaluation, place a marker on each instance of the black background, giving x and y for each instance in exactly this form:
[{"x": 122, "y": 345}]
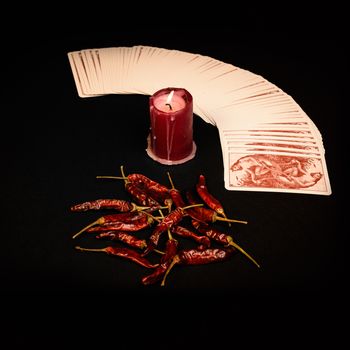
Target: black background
[{"x": 55, "y": 143}]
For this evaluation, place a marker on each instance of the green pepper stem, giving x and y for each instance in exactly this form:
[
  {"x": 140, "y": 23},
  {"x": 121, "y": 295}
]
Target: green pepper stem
[
  {"x": 111, "y": 177},
  {"x": 151, "y": 216},
  {"x": 90, "y": 249},
  {"x": 230, "y": 220},
  {"x": 99, "y": 221},
  {"x": 233, "y": 244},
  {"x": 123, "y": 174},
  {"x": 175, "y": 260},
  {"x": 170, "y": 236},
  {"x": 192, "y": 206},
  {"x": 221, "y": 212},
  {"x": 171, "y": 181},
  {"x": 138, "y": 208}
]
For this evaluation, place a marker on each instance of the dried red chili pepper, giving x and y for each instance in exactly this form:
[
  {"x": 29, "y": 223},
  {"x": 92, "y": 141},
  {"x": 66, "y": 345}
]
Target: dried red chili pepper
[
  {"x": 123, "y": 237},
  {"x": 175, "y": 194},
  {"x": 153, "y": 189},
  {"x": 121, "y": 226},
  {"x": 185, "y": 232},
  {"x": 140, "y": 196},
  {"x": 147, "y": 182},
  {"x": 208, "y": 215},
  {"x": 117, "y": 204},
  {"x": 199, "y": 257},
  {"x": 124, "y": 217},
  {"x": 126, "y": 253},
  {"x": 168, "y": 221},
  {"x": 108, "y": 222},
  {"x": 202, "y": 247},
  {"x": 207, "y": 197},
  {"x": 179, "y": 202},
  {"x": 143, "y": 182},
  {"x": 221, "y": 238},
  {"x": 211, "y": 233},
  {"x": 165, "y": 262}
]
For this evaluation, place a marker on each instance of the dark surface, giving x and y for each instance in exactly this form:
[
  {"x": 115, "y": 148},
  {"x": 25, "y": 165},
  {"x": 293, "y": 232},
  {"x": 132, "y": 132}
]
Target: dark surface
[{"x": 56, "y": 143}]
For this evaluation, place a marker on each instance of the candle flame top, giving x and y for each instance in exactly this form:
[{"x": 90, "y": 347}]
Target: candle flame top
[{"x": 170, "y": 97}]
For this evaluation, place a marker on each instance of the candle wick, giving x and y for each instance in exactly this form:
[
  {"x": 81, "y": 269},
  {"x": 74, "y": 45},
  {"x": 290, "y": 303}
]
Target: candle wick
[{"x": 168, "y": 104}]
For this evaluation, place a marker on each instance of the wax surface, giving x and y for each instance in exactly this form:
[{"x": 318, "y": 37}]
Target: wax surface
[
  {"x": 171, "y": 134},
  {"x": 175, "y": 104}
]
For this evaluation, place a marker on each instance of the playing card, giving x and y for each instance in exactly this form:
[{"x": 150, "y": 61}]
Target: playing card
[
  {"x": 77, "y": 79},
  {"x": 97, "y": 64},
  {"x": 274, "y": 146},
  {"x": 277, "y": 173},
  {"x": 90, "y": 72},
  {"x": 81, "y": 70}
]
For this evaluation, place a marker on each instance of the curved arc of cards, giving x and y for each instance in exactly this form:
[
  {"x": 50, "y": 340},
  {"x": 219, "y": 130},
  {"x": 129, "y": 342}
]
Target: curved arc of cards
[{"x": 241, "y": 104}]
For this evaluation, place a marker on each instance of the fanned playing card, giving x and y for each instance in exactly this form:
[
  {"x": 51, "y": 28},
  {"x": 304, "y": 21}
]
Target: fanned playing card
[{"x": 268, "y": 142}]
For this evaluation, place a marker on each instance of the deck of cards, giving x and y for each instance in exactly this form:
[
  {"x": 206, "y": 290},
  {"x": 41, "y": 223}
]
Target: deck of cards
[{"x": 268, "y": 142}]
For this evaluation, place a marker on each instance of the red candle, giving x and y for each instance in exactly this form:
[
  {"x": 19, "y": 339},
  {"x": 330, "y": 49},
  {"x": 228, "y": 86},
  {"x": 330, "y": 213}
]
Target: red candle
[{"x": 171, "y": 134}]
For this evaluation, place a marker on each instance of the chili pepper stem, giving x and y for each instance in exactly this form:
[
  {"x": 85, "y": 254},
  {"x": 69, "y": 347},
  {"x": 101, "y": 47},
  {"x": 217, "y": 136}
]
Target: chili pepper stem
[
  {"x": 169, "y": 203},
  {"x": 151, "y": 216},
  {"x": 111, "y": 177},
  {"x": 192, "y": 206},
  {"x": 171, "y": 181},
  {"x": 138, "y": 208},
  {"x": 221, "y": 212},
  {"x": 233, "y": 244},
  {"x": 158, "y": 251},
  {"x": 176, "y": 259},
  {"x": 97, "y": 222},
  {"x": 230, "y": 220},
  {"x": 170, "y": 236},
  {"x": 89, "y": 249},
  {"x": 163, "y": 207},
  {"x": 123, "y": 174}
]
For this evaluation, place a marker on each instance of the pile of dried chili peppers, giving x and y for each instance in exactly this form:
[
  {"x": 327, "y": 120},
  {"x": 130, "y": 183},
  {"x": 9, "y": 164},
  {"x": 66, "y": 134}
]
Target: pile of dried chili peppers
[{"x": 164, "y": 211}]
